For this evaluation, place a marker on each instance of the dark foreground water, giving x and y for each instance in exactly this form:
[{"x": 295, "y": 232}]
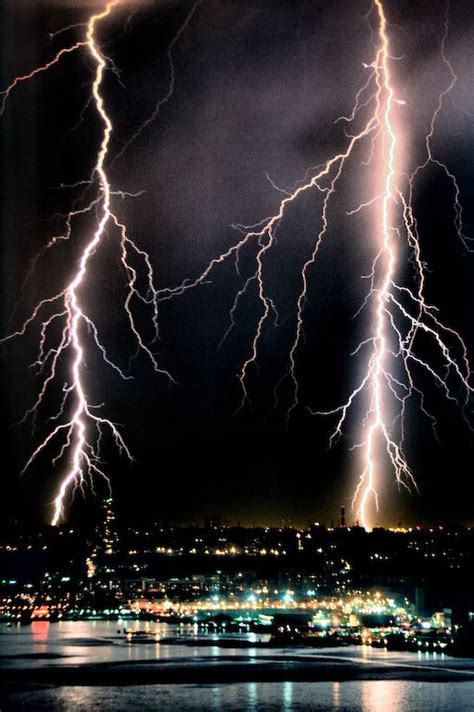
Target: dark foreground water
[
  {"x": 369, "y": 696},
  {"x": 88, "y": 666}
]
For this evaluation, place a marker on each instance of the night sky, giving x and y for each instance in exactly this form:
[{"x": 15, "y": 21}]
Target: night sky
[{"x": 258, "y": 87}]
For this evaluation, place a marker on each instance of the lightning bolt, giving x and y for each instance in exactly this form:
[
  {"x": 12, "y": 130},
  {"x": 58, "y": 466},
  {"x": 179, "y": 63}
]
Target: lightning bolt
[
  {"x": 402, "y": 321},
  {"x": 400, "y": 315},
  {"x": 80, "y": 432},
  {"x": 395, "y": 304},
  {"x": 171, "y": 84}
]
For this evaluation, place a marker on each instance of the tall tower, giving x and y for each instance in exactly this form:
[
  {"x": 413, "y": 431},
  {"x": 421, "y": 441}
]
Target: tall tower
[
  {"x": 343, "y": 517},
  {"x": 109, "y": 531}
]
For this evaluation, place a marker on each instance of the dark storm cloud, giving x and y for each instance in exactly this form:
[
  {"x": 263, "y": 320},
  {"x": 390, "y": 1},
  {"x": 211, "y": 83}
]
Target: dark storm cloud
[{"x": 259, "y": 86}]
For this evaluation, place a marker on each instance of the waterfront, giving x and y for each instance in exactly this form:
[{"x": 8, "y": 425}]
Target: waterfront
[{"x": 38, "y": 663}]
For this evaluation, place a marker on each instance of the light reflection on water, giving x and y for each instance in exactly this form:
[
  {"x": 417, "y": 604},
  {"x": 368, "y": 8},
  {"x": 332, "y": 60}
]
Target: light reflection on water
[
  {"x": 287, "y": 696},
  {"x": 104, "y": 641},
  {"x": 351, "y": 696},
  {"x": 100, "y": 641},
  {"x": 40, "y": 632},
  {"x": 252, "y": 696},
  {"x": 383, "y": 698}
]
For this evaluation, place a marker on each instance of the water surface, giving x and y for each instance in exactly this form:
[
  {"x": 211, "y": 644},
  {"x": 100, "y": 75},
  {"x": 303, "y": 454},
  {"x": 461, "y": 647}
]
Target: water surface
[{"x": 99, "y": 644}]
